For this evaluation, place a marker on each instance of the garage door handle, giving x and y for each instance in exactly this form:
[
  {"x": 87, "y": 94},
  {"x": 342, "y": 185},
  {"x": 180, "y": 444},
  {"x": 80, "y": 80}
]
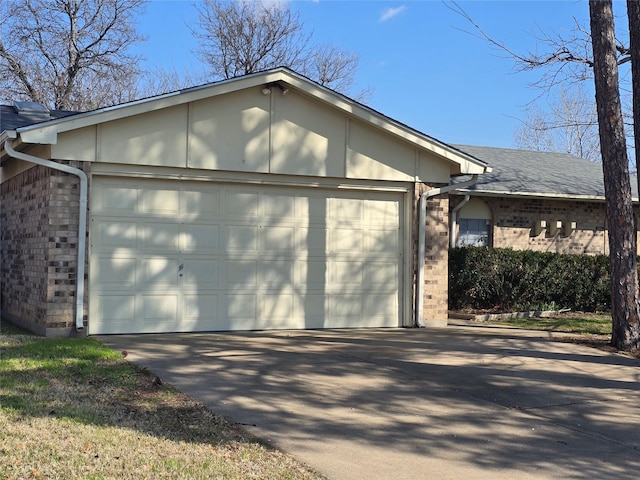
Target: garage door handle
[{"x": 180, "y": 269}]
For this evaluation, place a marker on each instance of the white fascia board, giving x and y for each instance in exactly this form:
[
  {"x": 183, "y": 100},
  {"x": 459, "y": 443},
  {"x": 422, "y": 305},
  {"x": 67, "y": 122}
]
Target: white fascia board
[
  {"x": 43, "y": 135},
  {"x": 468, "y": 164},
  {"x": 544, "y": 195},
  {"x": 47, "y": 132}
]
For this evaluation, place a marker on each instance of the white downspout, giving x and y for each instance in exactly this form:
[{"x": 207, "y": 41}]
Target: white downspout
[
  {"x": 82, "y": 220},
  {"x": 422, "y": 229},
  {"x": 453, "y": 221}
]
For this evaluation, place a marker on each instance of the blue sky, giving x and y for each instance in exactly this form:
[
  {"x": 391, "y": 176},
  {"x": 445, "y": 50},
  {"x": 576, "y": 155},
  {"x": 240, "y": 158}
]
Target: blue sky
[{"x": 424, "y": 67}]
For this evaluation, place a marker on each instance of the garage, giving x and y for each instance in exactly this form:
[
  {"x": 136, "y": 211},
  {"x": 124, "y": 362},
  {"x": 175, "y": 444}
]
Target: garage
[
  {"x": 204, "y": 256},
  {"x": 256, "y": 203}
]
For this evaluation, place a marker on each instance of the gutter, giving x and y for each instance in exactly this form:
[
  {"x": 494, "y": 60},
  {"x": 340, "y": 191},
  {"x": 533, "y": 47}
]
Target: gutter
[
  {"x": 479, "y": 192},
  {"x": 422, "y": 228},
  {"x": 82, "y": 219},
  {"x": 454, "y": 220}
]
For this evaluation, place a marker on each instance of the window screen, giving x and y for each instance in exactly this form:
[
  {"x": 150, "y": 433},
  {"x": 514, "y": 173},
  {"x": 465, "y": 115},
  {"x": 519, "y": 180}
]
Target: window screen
[{"x": 473, "y": 232}]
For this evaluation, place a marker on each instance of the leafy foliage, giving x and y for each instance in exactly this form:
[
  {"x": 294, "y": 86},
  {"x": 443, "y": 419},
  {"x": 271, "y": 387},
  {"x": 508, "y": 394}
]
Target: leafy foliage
[{"x": 503, "y": 280}]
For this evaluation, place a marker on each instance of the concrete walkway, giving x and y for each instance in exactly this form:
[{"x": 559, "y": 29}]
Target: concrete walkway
[{"x": 451, "y": 403}]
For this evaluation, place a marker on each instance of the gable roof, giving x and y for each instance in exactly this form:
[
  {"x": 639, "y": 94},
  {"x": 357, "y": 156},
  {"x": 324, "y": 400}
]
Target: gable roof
[
  {"x": 526, "y": 173},
  {"x": 46, "y": 133}
]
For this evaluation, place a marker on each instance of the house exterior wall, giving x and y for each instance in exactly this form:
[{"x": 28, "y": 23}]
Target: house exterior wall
[
  {"x": 39, "y": 215},
  {"x": 253, "y": 132},
  {"x": 515, "y": 224}
]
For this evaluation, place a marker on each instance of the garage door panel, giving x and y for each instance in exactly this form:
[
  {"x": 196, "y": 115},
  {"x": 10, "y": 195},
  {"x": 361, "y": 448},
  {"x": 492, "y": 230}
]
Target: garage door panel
[
  {"x": 113, "y": 273},
  {"x": 346, "y": 210},
  {"x": 159, "y": 271},
  {"x": 184, "y": 256},
  {"x": 344, "y": 307},
  {"x": 382, "y": 213},
  {"x": 198, "y": 204},
  {"x": 117, "y": 313},
  {"x": 276, "y": 206},
  {"x": 311, "y": 275},
  {"x": 314, "y": 310},
  {"x": 110, "y": 234},
  {"x": 155, "y": 235},
  {"x": 200, "y": 238},
  {"x": 201, "y": 273},
  {"x": 115, "y": 199},
  {"x": 315, "y": 207},
  {"x": 276, "y": 274},
  {"x": 160, "y": 310},
  {"x": 241, "y": 204},
  {"x": 241, "y": 307},
  {"x": 277, "y": 306},
  {"x": 311, "y": 241},
  {"x": 277, "y": 239},
  {"x": 347, "y": 240},
  {"x": 380, "y": 306},
  {"x": 382, "y": 242},
  {"x": 201, "y": 311},
  {"x": 380, "y": 275},
  {"x": 241, "y": 238},
  {"x": 241, "y": 274},
  {"x": 346, "y": 273},
  {"x": 159, "y": 202}
]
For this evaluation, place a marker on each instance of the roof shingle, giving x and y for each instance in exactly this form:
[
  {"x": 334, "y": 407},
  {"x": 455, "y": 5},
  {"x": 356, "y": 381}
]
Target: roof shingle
[
  {"x": 533, "y": 173},
  {"x": 10, "y": 118}
]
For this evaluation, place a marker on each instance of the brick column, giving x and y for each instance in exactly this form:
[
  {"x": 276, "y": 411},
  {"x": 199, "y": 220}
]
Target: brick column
[
  {"x": 436, "y": 279},
  {"x": 39, "y": 214}
]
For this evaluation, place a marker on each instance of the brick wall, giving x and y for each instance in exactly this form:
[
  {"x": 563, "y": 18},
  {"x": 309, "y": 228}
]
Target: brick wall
[
  {"x": 513, "y": 221},
  {"x": 39, "y": 214},
  {"x": 436, "y": 280}
]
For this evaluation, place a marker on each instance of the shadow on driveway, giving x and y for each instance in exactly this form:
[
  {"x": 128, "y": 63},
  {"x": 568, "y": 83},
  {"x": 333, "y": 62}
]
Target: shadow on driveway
[{"x": 415, "y": 403}]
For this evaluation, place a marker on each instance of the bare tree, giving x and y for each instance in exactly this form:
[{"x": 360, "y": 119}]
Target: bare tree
[
  {"x": 622, "y": 237},
  {"x": 572, "y": 60},
  {"x": 633, "y": 15},
  {"x": 569, "y": 53},
  {"x": 161, "y": 80},
  {"x": 570, "y": 126},
  {"x": 240, "y": 37},
  {"x": 69, "y": 54},
  {"x": 332, "y": 67}
]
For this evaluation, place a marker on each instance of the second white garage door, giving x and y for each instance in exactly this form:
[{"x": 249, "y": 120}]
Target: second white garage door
[{"x": 181, "y": 257}]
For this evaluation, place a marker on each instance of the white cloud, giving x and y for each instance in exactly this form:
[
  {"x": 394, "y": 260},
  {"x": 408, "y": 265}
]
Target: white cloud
[{"x": 389, "y": 13}]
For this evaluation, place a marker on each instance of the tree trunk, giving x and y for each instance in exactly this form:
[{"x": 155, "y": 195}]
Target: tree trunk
[
  {"x": 617, "y": 184},
  {"x": 633, "y": 14}
]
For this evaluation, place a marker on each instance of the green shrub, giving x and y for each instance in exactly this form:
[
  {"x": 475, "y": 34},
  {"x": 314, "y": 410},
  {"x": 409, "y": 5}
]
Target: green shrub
[{"x": 502, "y": 279}]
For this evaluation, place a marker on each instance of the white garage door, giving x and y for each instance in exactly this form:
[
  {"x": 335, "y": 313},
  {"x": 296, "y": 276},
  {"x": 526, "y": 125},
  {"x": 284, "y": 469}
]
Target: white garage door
[{"x": 182, "y": 257}]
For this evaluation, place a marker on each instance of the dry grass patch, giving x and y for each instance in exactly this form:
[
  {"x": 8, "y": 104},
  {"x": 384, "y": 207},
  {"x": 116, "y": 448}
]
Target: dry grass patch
[{"x": 74, "y": 409}]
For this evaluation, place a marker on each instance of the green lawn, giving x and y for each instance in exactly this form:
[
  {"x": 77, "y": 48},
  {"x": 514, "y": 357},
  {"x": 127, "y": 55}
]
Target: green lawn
[
  {"x": 578, "y": 323},
  {"x": 591, "y": 329},
  {"x": 74, "y": 409}
]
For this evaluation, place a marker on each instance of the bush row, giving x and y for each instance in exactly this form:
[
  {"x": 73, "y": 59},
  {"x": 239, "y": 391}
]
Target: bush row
[{"x": 506, "y": 280}]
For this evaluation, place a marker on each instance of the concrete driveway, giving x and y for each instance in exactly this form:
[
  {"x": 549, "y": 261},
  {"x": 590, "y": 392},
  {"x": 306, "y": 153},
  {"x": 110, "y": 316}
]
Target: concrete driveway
[{"x": 457, "y": 402}]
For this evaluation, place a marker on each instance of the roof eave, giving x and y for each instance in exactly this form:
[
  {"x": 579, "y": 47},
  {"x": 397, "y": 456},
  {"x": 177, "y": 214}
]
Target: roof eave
[
  {"x": 545, "y": 195},
  {"x": 46, "y": 132}
]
